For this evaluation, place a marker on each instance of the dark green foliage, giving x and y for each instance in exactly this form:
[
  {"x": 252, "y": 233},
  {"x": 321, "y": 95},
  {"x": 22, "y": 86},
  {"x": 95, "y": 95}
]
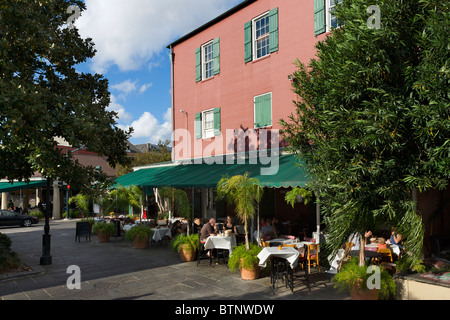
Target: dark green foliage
[
  {"x": 373, "y": 119},
  {"x": 42, "y": 96}
]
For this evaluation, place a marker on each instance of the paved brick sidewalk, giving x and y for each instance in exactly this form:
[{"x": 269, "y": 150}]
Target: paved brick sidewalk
[{"x": 116, "y": 270}]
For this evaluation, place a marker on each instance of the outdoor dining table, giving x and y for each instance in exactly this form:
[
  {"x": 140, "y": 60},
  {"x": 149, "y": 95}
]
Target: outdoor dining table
[
  {"x": 159, "y": 233},
  {"x": 276, "y": 255},
  {"x": 221, "y": 242}
]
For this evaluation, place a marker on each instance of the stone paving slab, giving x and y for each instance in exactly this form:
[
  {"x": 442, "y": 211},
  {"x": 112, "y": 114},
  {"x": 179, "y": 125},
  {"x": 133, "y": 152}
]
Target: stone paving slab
[{"x": 117, "y": 271}]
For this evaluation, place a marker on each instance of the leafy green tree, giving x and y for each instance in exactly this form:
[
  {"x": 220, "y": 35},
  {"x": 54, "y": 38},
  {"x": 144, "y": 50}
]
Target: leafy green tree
[
  {"x": 373, "y": 118},
  {"x": 161, "y": 153},
  {"x": 43, "y": 96}
]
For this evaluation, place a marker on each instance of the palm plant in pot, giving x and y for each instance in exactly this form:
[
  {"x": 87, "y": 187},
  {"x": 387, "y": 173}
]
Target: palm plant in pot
[
  {"x": 139, "y": 235},
  {"x": 246, "y": 261},
  {"x": 355, "y": 278},
  {"x": 186, "y": 246},
  {"x": 245, "y": 193},
  {"x": 103, "y": 231}
]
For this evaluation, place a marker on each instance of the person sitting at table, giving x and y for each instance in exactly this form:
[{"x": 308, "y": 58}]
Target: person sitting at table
[
  {"x": 197, "y": 225},
  {"x": 229, "y": 225},
  {"x": 268, "y": 232},
  {"x": 208, "y": 229},
  {"x": 382, "y": 243},
  {"x": 396, "y": 238},
  {"x": 176, "y": 229},
  {"x": 278, "y": 225}
]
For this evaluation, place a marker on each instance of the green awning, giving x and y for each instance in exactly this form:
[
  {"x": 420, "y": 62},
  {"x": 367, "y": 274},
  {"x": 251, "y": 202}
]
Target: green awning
[
  {"x": 289, "y": 174},
  {"x": 8, "y": 187}
]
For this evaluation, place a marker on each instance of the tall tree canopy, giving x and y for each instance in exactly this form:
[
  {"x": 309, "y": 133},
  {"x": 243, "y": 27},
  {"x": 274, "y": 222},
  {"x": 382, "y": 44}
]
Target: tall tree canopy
[
  {"x": 43, "y": 96},
  {"x": 373, "y": 117}
]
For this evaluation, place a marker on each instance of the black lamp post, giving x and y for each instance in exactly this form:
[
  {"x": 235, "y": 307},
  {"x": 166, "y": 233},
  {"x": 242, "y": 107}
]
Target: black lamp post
[{"x": 46, "y": 258}]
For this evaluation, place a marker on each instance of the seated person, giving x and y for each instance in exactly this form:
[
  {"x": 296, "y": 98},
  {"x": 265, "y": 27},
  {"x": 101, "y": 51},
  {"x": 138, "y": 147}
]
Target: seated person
[
  {"x": 197, "y": 225},
  {"x": 208, "y": 229},
  {"x": 268, "y": 232},
  {"x": 176, "y": 229},
  {"x": 382, "y": 243},
  {"x": 229, "y": 225},
  {"x": 396, "y": 239}
]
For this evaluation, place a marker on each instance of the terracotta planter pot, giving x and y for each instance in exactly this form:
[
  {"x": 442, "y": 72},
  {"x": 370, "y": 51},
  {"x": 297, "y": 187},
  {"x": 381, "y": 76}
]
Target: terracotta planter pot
[
  {"x": 140, "y": 243},
  {"x": 103, "y": 237},
  {"x": 359, "y": 294},
  {"x": 250, "y": 274},
  {"x": 187, "y": 253}
]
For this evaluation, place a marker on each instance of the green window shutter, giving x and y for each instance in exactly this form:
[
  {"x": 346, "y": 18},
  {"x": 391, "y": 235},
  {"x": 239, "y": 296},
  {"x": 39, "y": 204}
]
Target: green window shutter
[
  {"x": 319, "y": 17},
  {"x": 217, "y": 121},
  {"x": 198, "y": 64},
  {"x": 263, "y": 111},
  {"x": 216, "y": 55},
  {"x": 248, "y": 41},
  {"x": 273, "y": 30},
  {"x": 198, "y": 125}
]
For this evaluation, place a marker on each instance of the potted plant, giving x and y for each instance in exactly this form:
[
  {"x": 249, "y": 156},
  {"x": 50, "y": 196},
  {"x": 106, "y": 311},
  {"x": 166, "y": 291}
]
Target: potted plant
[
  {"x": 186, "y": 246},
  {"x": 245, "y": 260},
  {"x": 353, "y": 278},
  {"x": 139, "y": 235},
  {"x": 103, "y": 231}
]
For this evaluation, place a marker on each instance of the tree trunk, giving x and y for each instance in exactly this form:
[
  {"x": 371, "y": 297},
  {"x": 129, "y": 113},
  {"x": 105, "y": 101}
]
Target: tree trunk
[
  {"x": 361, "y": 252},
  {"x": 247, "y": 246}
]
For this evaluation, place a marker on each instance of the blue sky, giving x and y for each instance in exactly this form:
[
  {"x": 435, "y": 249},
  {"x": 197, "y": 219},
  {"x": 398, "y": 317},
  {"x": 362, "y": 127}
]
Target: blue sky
[{"x": 131, "y": 38}]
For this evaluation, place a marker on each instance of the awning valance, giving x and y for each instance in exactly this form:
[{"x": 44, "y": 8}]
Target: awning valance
[
  {"x": 289, "y": 174},
  {"x": 8, "y": 187}
]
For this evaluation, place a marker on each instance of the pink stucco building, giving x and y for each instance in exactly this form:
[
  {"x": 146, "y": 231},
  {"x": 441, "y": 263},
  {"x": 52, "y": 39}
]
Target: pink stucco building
[{"x": 234, "y": 73}]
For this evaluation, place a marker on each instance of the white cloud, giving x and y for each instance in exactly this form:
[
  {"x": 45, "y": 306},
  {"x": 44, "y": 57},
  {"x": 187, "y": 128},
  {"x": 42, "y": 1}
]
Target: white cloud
[
  {"x": 147, "y": 126},
  {"x": 122, "y": 114},
  {"x": 144, "y": 87},
  {"x": 130, "y": 33},
  {"x": 125, "y": 87}
]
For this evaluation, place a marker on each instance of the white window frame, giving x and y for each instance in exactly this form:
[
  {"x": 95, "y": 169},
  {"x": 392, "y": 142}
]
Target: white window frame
[
  {"x": 329, "y": 15},
  {"x": 271, "y": 109},
  {"x": 207, "y": 133},
  {"x": 255, "y": 40},
  {"x": 204, "y": 62}
]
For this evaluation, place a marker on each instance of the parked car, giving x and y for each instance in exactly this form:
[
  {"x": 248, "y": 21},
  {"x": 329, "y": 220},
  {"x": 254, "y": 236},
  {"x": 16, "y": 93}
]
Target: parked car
[{"x": 11, "y": 218}]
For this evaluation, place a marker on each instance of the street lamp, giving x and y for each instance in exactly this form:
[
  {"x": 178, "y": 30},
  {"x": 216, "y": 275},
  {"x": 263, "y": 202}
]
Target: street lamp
[{"x": 46, "y": 258}]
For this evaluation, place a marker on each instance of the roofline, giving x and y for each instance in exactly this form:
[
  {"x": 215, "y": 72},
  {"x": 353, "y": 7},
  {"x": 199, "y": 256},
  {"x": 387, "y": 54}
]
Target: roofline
[{"x": 224, "y": 15}]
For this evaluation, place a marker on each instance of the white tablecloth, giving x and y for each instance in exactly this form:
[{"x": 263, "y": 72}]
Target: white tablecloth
[
  {"x": 159, "y": 233},
  {"x": 288, "y": 253},
  {"x": 299, "y": 244},
  {"x": 218, "y": 242}
]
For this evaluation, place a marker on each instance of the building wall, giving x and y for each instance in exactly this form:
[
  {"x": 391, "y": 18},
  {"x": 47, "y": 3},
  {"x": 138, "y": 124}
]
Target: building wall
[{"x": 238, "y": 83}]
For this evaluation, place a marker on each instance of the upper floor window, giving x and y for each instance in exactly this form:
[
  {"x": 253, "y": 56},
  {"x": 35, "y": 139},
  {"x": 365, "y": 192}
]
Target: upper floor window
[
  {"x": 207, "y": 60},
  {"x": 324, "y": 19},
  {"x": 261, "y": 35},
  {"x": 332, "y": 21}
]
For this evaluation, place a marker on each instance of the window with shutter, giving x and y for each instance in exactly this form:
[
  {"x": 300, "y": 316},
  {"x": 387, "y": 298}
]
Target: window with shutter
[
  {"x": 319, "y": 17},
  {"x": 198, "y": 125},
  {"x": 261, "y": 36},
  {"x": 263, "y": 110},
  {"x": 207, "y": 60}
]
